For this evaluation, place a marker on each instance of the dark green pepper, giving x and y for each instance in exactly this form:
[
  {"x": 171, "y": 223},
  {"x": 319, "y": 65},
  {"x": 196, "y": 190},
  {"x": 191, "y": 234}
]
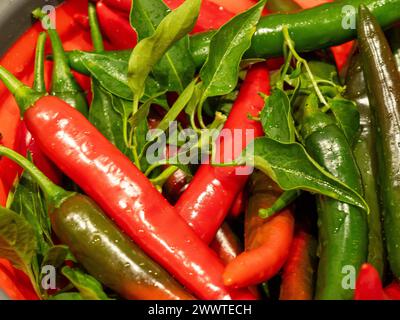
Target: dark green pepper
[
  {"x": 365, "y": 154},
  {"x": 343, "y": 230},
  {"x": 383, "y": 85},
  {"x": 316, "y": 28},
  {"x": 63, "y": 83},
  {"x": 105, "y": 252}
]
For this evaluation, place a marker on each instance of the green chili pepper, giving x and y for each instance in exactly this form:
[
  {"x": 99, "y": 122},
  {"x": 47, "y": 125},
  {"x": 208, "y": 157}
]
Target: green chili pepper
[
  {"x": 38, "y": 80},
  {"x": 106, "y": 253},
  {"x": 311, "y": 29},
  {"x": 316, "y": 28},
  {"x": 383, "y": 85},
  {"x": 95, "y": 31},
  {"x": 343, "y": 231},
  {"x": 63, "y": 83},
  {"x": 365, "y": 154}
]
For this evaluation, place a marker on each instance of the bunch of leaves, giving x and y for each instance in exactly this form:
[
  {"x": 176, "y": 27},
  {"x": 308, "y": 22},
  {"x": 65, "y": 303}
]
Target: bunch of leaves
[{"x": 280, "y": 154}]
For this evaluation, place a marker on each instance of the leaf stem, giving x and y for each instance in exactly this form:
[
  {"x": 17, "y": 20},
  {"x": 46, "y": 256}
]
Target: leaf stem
[{"x": 290, "y": 45}]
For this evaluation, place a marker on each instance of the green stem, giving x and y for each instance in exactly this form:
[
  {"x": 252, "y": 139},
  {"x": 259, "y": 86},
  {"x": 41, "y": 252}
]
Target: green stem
[
  {"x": 281, "y": 203},
  {"x": 38, "y": 82},
  {"x": 290, "y": 45},
  {"x": 95, "y": 31},
  {"x": 24, "y": 95},
  {"x": 164, "y": 176},
  {"x": 63, "y": 84},
  {"x": 54, "y": 194}
]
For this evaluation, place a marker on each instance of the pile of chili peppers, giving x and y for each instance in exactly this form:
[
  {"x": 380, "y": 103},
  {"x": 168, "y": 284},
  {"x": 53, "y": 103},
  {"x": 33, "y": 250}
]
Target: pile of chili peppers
[{"x": 299, "y": 211}]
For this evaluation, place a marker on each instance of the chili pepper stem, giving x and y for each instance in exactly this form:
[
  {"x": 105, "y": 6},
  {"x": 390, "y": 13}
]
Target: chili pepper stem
[
  {"x": 97, "y": 38},
  {"x": 38, "y": 82},
  {"x": 24, "y": 95},
  {"x": 61, "y": 67},
  {"x": 55, "y": 195}
]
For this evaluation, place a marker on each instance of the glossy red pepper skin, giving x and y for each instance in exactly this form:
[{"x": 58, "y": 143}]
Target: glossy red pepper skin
[
  {"x": 392, "y": 291},
  {"x": 19, "y": 60},
  {"x": 211, "y": 17},
  {"x": 116, "y": 27},
  {"x": 205, "y": 204},
  {"x": 127, "y": 196},
  {"x": 14, "y": 283},
  {"x": 267, "y": 241},
  {"x": 298, "y": 271},
  {"x": 369, "y": 285}
]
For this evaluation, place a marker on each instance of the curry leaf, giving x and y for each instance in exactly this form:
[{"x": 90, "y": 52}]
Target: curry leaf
[
  {"x": 347, "y": 117},
  {"x": 176, "y": 69},
  {"x": 17, "y": 240},
  {"x": 289, "y": 165},
  {"x": 220, "y": 71},
  {"x": 104, "y": 117},
  {"x": 276, "y": 117},
  {"x": 56, "y": 256},
  {"x": 112, "y": 74},
  {"x": 149, "y": 51},
  {"x": 178, "y": 106},
  {"x": 29, "y": 202},
  {"x": 89, "y": 288}
]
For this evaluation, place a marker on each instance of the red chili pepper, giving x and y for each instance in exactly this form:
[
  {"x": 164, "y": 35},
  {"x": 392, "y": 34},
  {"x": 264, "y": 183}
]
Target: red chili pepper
[
  {"x": 116, "y": 27},
  {"x": 123, "y": 5},
  {"x": 238, "y": 205},
  {"x": 205, "y": 204},
  {"x": 212, "y": 15},
  {"x": 369, "y": 285},
  {"x": 14, "y": 283},
  {"x": 19, "y": 60},
  {"x": 267, "y": 241},
  {"x": 226, "y": 244},
  {"x": 124, "y": 193},
  {"x": 298, "y": 271},
  {"x": 392, "y": 291}
]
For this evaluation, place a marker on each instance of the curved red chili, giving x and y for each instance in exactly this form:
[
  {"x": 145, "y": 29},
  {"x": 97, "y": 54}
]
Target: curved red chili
[
  {"x": 206, "y": 202},
  {"x": 369, "y": 285},
  {"x": 125, "y": 194}
]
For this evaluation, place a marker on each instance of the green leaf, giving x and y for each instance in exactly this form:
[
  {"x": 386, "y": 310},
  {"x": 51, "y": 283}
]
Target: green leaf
[
  {"x": 112, "y": 74},
  {"x": 149, "y": 51},
  {"x": 324, "y": 71},
  {"x": 29, "y": 202},
  {"x": 276, "y": 117},
  {"x": 176, "y": 69},
  {"x": 67, "y": 296},
  {"x": 220, "y": 71},
  {"x": 56, "y": 256},
  {"x": 104, "y": 117},
  {"x": 17, "y": 240},
  {"x": 89, "y": 288},
  {"x": 347, "y": 117},
  {"x": 178, "y": 106},
  {"x": 290, "y": 166}
]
